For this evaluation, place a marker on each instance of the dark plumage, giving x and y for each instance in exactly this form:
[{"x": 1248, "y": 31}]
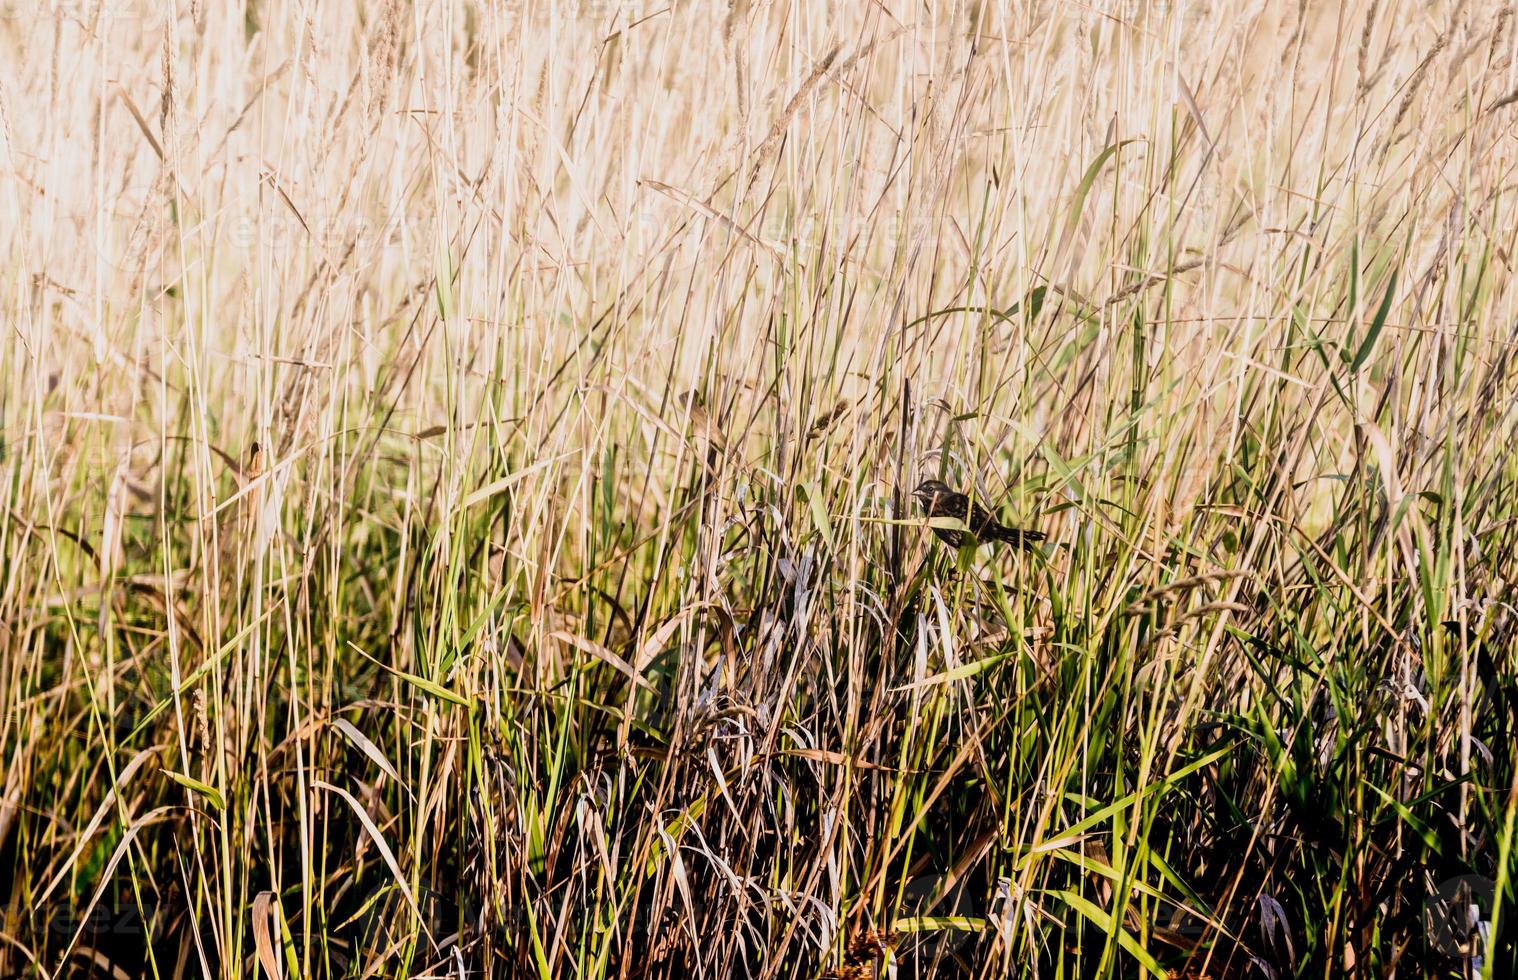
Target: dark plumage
[{"x": 938, "y": 500}]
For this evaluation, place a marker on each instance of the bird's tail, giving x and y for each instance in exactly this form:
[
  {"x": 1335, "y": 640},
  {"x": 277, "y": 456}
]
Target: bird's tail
[{"x": 1015, "y": 535}]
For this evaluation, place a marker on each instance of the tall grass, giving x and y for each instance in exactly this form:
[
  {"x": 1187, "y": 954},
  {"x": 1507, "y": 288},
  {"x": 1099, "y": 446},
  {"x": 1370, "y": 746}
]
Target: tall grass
[{"x": 457, "y": 456}]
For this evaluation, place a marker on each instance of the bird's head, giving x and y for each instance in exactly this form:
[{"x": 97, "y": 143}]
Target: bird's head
[{"x": 930, "y": 490}]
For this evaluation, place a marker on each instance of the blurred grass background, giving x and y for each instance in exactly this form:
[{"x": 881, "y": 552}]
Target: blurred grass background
[{"x": 456, "y": 461}]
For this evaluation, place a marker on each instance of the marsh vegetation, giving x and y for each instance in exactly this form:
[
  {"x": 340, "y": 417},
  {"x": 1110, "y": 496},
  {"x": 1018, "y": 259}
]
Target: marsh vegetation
[{"x": 458, "y": 456}]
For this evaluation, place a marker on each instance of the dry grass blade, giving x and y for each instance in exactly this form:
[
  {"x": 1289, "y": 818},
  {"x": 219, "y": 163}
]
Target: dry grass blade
[
  {"x": 263, "y": 938},
  {"x": 602, "y": 654},
  {"x": 398, "y": 878}
]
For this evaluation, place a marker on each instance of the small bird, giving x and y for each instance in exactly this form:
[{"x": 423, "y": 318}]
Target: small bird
[{"x": 938, "y": 500}]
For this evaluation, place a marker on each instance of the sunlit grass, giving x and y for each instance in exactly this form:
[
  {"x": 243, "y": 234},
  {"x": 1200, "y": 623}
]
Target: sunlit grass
[{"x": 458, "y": 466}]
